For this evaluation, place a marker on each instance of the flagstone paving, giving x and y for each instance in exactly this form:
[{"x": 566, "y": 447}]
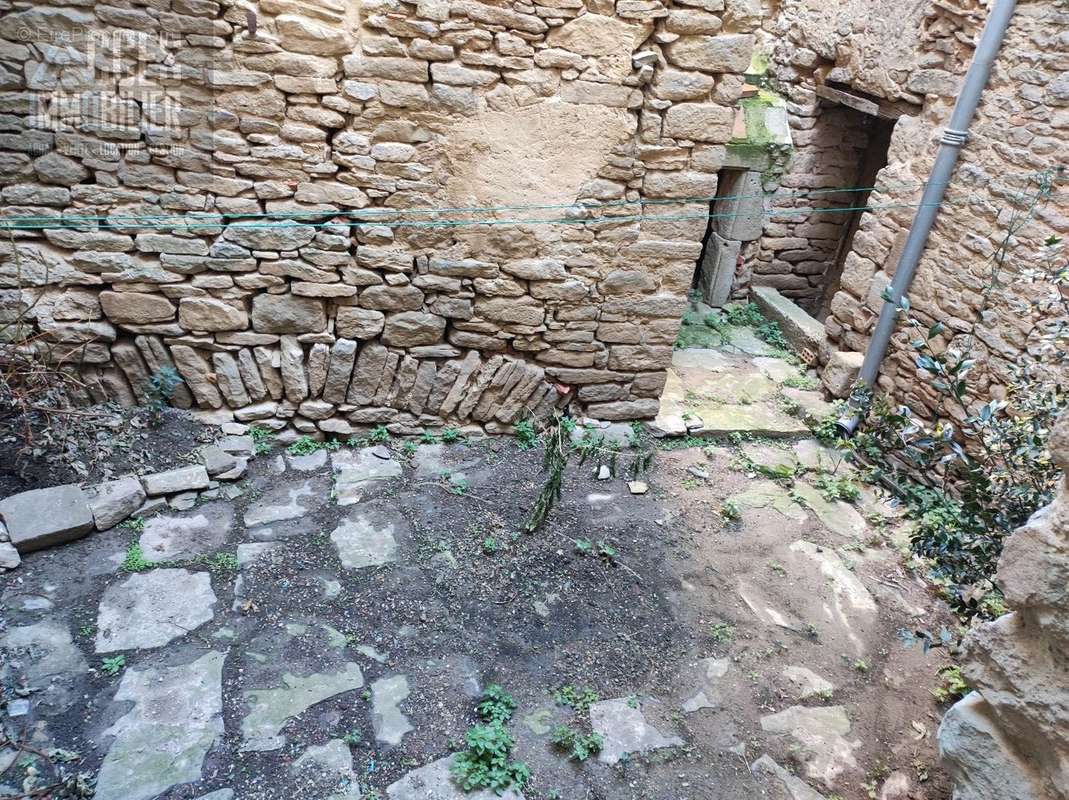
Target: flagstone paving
[{"x": 326, "y": 633}]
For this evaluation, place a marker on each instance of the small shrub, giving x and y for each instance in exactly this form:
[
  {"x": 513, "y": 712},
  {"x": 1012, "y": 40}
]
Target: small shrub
[
  {"x": 496, "y": 705},
  {"x": 526, "y": 437},
  {"x": 451, "y": 435},
  {"x": 722, "y": 632},
  {"x": 428, "y": 437},
  {"x": 159, "y": 391},
  {"x": 485, "y": 763},
  {"x": 378, "y": 435}
]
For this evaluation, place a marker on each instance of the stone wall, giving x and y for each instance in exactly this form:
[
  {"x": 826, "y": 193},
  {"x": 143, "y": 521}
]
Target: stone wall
[
  {"x": 1010, "y": 737},
  {"x": 1023, "y": 117},
  {"x": 375, "y": 305}
]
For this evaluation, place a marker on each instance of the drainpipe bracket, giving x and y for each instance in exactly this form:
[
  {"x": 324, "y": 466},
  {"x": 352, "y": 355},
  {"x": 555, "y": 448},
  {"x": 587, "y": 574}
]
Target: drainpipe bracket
[{"x": 953, "y": 138}]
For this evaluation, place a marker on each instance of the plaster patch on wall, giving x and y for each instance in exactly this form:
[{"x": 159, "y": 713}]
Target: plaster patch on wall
[{"x": 538, "y": 155}]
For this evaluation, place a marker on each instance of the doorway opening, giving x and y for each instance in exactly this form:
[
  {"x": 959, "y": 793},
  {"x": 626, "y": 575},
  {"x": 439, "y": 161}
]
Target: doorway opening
[{"x": 815, "y": 213}]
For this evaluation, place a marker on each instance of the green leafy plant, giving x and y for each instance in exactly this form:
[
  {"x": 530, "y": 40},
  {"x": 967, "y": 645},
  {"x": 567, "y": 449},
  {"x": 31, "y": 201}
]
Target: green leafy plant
[
  {"x": 134, "y": 560},
  {"x": 428, "y": 437},
  {"x": 378, "y": 435},
  {"x": 134, "y": 524},
  {"x": 262, "y": 439},
  {"x": 408, "y": 449},
  {"x": 113, "y": 666},
  {"x": 580, "y": 746},
  {"x": 833, "y": 488},
  {"x": 951, "y": 686},
  {"x": 496, "y": 704},
  {"x": 979, "y": 466},
  {"x": 578, "y": 698},
  {"x": 159, "y": 390},
  {"x": 303, "y": 446},
  {"x": 722, "y": 632},
  {"x": 729, "y": 511},
  {"x": 353, "y": 738},
  {"x": 224, "y": 562},
  {"x": 451, "y": 435},
  {"x": 489, "y": 545},
  {"x": 486, "y": 762},
  {"x": 803, "y": 382},
  {"x": 526, "y": 436}
]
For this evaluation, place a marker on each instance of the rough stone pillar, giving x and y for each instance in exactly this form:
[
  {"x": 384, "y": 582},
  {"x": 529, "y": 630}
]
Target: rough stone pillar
[
  {"x": 1009, "y": 739},
  {"x": 740, "y": 215},
  {"x": 718, "y": 269}
]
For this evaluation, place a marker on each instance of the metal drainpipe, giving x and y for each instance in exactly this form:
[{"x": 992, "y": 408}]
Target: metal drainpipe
[{"x": 954, "y": 138}]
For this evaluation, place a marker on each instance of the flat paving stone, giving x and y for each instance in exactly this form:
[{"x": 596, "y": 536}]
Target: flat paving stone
[
  {"x": 45, "y": 517},
  {"x": 357, "y": 471},
  {"x": 218, "y": 794},
  {"x": 433, "y": 782},
  {"x": 711, "y": 672},
  {"x": 776, "y": 368},
  {"x": 169, "y": 538},
  {"x": 368, "y": 538},
  {"x": 162, "y": 741},
  {"x": 389, "y": 724},
  {"x": 309, "y": 463},
  {"x": 767, "y": 494},
  {"x": 837, "y": 516},
  {"x": 819, "y": 734},
  {"x": 270, "y": 708},
  {"x": 779, "y": 784},
  {"x": 329, "y": 768},
  {"x": 152, "y": 608},
  {"x": 289, "y": 501},
  {"x": 807, "y": 683},
  {"x": 44, "y": 656},
  {"x": 624, "y": 730},
  {"x": 852, "y": 607}
]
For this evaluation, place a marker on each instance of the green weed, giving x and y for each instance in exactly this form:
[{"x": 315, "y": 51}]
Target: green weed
[
  {"x": 113, "y": 666},
  {"x": 262, "y": 439},
  {"x": 134, "y": 560}
]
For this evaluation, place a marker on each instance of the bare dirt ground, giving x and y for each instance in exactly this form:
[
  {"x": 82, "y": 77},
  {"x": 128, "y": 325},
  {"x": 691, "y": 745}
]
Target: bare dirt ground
[{"x": 284, "y": 645}]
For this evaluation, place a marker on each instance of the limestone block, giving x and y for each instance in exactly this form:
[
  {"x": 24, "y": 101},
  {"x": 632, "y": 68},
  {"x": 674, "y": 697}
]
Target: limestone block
[
  {"x": 700, "y": 122},
  {"x": 210, "y": 314},
  {"x": 198, "y": 376},
  {"x": 721, "y": 53},
  {"x": 45, "y": 517},
  {"x": 301, "y": 35},
  {"x": 114, "y": 501},
  {"x": 294, "y": 377},
  {"x": 801, "y": 330},
  {"x": 287, "y": 313},
  {"x": 676, "y": 84},
  {"x": 411, "y": 328},
  {"x": 840, "y": 373},
  {"x": 183, "y": 479},
  {"x": 359, "y": 323}
]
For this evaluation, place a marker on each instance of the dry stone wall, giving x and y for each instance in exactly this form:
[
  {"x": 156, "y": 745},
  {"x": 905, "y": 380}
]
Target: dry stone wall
[{"x": 300, "y": 160}]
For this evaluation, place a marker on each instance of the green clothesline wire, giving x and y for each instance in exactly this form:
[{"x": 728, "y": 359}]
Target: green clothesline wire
[
  {"x": 371, "y": 214},
  {"x": 461, "y": 222}
]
